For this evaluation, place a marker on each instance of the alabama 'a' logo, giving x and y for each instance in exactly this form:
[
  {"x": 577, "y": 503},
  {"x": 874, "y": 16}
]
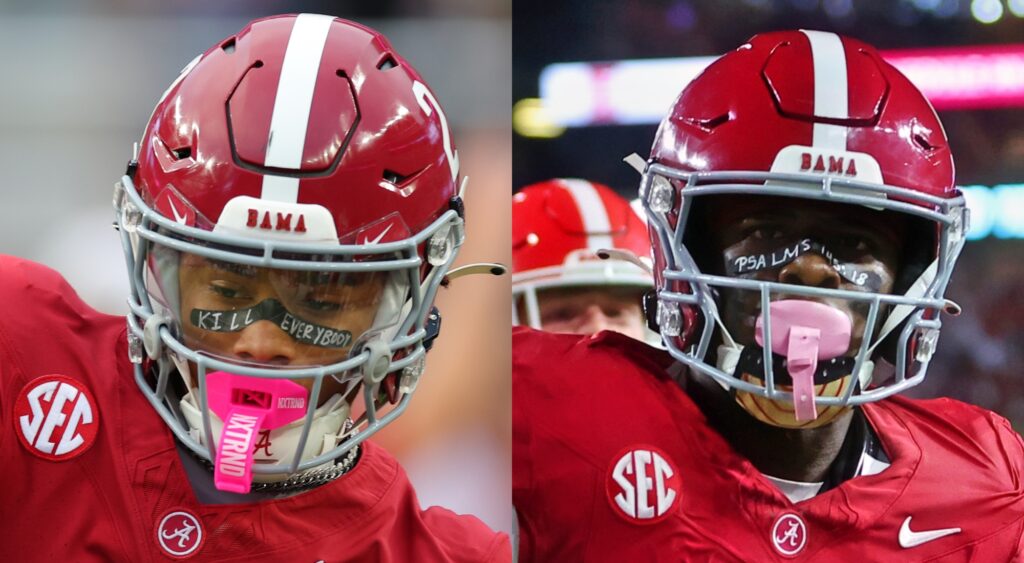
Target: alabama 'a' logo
[
  {"x": 789, "y": 534},
  {"x": 643, "y": 485},
  {"x": 55, "y": 417},
  {"x": 179, "y": 533}
]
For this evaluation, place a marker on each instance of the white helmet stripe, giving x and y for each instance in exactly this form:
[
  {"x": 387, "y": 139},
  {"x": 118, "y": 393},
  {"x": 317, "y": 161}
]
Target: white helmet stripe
[
  {"x": 292, "y": 104},
  {"x": 592, "y": 213},
  {"x": 831, "y": 91}
]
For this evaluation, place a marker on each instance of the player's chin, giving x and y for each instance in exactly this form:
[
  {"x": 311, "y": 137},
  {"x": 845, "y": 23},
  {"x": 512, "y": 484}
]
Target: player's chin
[{"x": 782, "y": 414}]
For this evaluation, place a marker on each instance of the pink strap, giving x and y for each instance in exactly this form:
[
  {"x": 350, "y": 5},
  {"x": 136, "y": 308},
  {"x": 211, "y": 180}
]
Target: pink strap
[
  {"x": 802, "y": 361},
  {"x": 233, "y": 470}
]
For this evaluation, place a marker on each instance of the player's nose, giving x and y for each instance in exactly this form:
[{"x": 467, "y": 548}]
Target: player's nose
[
  {"x": 812, "y": 270},
  {"x": 264, "y": 342}
]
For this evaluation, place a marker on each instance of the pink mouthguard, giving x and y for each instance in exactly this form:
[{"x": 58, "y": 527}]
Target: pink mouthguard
[
  {"x": 805, "y": 332},
  {"x": 248, "y": 405}
]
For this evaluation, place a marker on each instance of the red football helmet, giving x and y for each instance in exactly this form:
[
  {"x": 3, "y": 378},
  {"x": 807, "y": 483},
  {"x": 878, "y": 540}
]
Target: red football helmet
[
  {"x": 809, "y": 116},
  {"x": 305, "y": 154},
  {"x": 557, "y": 228}
]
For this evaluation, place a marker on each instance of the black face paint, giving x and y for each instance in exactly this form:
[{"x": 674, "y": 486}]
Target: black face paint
[
  {"x": 782, "y": 256},
  {"x": 272, "y": 310}
]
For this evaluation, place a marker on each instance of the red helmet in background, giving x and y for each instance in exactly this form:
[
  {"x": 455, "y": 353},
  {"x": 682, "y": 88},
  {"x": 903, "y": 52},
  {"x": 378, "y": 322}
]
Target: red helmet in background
[
  {"x": 557, "y": 228},
  {"x": 303, "y": 148},
  {"x": 802, "y": 115}
]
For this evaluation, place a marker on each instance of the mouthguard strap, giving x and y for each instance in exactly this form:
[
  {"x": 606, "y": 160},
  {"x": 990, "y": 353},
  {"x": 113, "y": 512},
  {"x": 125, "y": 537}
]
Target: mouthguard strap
[{"x": 802, "y": 361}]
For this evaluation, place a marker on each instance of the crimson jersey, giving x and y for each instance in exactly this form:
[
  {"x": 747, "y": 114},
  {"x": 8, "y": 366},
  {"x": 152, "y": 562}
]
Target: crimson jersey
[
  {"x": 613, "y": 462},
  {"x": 91, "y": 473}
]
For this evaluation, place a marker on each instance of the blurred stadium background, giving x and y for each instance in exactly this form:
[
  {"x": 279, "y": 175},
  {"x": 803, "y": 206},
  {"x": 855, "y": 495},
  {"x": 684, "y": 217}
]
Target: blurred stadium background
[
  {"x": 967, "y": 55},
  {"x": 80, "y": 80}
]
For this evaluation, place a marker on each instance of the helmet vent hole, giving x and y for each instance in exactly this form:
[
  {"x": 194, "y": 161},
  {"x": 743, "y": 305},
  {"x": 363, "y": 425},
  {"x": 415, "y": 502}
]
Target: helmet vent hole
[
  {"x": 182, "y": 153},
  {"x": 228, "y": 46},
  {"x": 388, "y": 62},
  {"x": 707, "y": 124},
  {"x": 393, "y": 177},
  {"x": 714, "y": 122},
  {"x": 923, "y": 143}
]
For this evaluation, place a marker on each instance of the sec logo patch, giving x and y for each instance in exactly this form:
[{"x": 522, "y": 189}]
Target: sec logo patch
[
  {"x": 643, "y": 485},
  {"x": 55, "y": 417},
  {"x": 179, "y": 533}
]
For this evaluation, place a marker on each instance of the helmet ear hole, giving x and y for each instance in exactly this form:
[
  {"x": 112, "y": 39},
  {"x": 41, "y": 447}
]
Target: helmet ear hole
[
  {"x": 698, "y": 224},
  {"x": 649, "y": 303},
  {"x": 918, "y": 253}
]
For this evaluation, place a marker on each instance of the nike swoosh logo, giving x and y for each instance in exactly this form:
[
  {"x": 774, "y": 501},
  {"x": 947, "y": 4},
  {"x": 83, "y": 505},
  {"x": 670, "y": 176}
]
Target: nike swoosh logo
[
  {"x": 181, "y": 219},
  {"x": 380, "y": 236},
  {"x": 910, "y": 538}
]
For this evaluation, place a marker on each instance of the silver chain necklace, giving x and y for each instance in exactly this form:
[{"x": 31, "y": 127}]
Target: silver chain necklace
[
  {"x": 310, "y": 479},
  {"x": 300, "y": 481}
]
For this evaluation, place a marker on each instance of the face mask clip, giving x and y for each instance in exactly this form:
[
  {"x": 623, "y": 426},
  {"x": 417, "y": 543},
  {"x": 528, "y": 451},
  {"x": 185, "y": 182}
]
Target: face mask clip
[
  {"x": 151, "y": 341},
  {"x": 377, "y": 366},
  {"x": 433, "y": 328}
]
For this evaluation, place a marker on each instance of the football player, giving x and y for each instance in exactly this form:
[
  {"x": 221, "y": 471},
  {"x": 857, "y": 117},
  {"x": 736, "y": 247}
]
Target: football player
[
  {"x": 559, "y": 283},
  {"x": 289, "y": 216},
  {"x": 805, "y": 223}
]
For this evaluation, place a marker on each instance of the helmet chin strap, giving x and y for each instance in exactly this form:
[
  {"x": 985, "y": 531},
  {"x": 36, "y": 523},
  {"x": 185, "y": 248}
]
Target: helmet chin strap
[
  {"x": 901, "y": 312},
  {"x": 729, "y": 357}
]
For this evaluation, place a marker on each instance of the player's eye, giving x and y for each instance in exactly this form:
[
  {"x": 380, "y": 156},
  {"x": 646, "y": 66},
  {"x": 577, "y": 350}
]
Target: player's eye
[
  {"x": 763, "y": 233},
  {"x": 613, "y": 312},
  {"x": 859, "y": 243},
  {"x": 764, "y": 230},
  {"x": 321, "y": 305},
  {"x": 560, "y": 314},
  {"x": 227, "y": 291}
]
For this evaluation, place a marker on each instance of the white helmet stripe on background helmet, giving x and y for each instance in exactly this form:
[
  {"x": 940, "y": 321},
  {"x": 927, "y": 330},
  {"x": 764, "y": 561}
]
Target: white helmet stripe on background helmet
[{"x": 592, "y": 212}]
